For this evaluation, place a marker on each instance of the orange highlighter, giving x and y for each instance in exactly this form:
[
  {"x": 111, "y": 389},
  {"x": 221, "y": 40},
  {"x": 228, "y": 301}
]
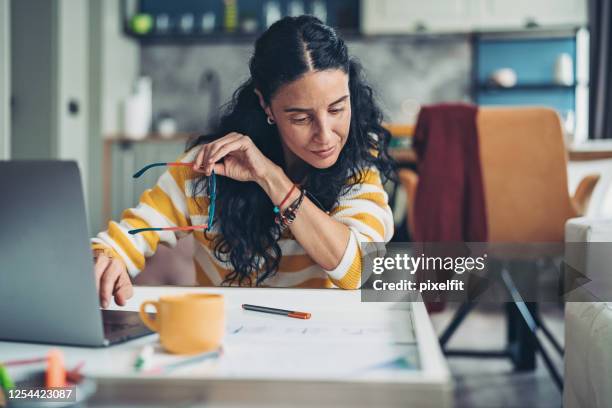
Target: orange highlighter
[
  {"x": 288, "y": 313},
  {"x": 56, "y": 372}
]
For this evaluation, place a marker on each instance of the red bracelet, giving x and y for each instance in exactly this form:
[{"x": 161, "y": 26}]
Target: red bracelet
[{"x": 278, "y": 207}]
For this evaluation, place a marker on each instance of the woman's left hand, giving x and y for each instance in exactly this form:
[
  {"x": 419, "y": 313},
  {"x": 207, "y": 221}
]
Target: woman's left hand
[{"x": 242, "y": 160}]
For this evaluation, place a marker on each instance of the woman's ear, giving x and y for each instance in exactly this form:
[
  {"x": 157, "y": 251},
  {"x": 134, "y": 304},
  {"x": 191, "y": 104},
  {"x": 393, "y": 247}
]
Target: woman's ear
[{"x": 263, "y": 104}]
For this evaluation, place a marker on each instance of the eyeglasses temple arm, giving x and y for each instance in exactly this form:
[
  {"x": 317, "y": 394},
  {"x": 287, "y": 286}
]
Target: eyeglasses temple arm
[
  {"x": 148, "y": 166},
  {"x": 188, "y": 228}
]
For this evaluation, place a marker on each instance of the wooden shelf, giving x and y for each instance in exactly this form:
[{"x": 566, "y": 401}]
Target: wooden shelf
[
  {"x": 215, "y": 37},
  {"x": 343, "y": 15}
]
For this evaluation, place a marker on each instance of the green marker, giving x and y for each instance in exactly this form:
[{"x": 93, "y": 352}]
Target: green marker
[
  {"x": 144, "y": 358},
  {"x": 5, "y": 379}
]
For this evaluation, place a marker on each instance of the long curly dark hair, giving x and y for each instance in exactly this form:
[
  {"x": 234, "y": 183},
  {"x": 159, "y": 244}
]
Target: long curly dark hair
[{"x": 247, "y": 234}]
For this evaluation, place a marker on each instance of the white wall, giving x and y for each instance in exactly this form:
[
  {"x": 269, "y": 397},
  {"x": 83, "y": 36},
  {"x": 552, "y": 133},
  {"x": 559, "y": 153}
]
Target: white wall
[
  {"x": 71, "y": 79},
  {"x": 113, "y": 65},
  {"x": 33, "y": 81},
  {"x": 120, "y": 66},
  {"x": 5, "y": 79}
]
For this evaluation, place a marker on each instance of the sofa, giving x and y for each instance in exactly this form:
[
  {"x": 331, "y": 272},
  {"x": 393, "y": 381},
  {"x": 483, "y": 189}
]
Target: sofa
[{"x": 588, "y": 315}]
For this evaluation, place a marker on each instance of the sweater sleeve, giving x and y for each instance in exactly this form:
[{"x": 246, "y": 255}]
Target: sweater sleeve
[
  {"x": 364, "y": 209},
  {"x": 164, "y": 205}
]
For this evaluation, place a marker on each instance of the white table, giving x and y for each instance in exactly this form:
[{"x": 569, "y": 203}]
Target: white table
[{"x": 284, "y": 366}]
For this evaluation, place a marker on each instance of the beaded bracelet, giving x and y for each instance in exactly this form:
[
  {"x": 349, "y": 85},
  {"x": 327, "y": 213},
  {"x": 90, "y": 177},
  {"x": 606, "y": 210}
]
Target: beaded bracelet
[
  {"x": 287, "y": 217},
  {"x": 277, "y": 208}
]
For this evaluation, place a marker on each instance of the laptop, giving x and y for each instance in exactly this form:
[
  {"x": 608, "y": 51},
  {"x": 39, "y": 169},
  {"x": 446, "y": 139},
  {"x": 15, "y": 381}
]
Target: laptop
[{"x": 47, "y": 285}]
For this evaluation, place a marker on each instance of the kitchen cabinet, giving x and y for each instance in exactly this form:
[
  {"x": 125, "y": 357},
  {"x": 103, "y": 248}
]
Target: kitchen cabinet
[
  {"x": 207, "y": 20},
  {"x": 404, "y": 16},
  {"x": 183, "y": 21},
  {"x": 407, "y": 16},
  {"x": 505, "y": 14}
]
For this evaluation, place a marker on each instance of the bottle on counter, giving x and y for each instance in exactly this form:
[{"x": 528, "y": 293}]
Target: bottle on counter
[{"x": 138, "y": 110}]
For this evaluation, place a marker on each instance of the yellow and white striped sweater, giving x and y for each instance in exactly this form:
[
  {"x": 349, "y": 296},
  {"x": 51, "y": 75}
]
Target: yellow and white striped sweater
[{"x": 363, "y": 209}]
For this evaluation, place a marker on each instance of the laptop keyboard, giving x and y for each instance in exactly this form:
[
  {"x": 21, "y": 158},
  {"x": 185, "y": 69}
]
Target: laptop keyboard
[
  {"x": 120, "y": 325},
  {"x": 111, "y": 327}
]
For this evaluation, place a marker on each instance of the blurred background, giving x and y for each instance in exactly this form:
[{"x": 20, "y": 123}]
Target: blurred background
[{"x": 116, "y": 84}]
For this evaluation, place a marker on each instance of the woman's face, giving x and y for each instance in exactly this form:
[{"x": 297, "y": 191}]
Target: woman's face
[{"x": 313, "y": 115}]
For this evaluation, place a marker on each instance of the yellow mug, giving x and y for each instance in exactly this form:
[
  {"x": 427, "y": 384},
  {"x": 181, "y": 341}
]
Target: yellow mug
[{"x": 187, "y": 324}]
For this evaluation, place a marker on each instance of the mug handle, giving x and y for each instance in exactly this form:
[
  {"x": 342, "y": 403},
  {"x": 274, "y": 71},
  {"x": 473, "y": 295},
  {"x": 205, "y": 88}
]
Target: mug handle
[{"x": 152, "y": 324}]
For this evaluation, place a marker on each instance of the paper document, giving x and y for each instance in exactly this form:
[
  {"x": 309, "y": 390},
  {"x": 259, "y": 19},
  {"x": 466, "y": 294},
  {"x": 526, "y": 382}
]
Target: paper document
[
  {"x": 332, "y": 344},
  {"x": 320, "y": 333},
  {"x": 396, "y": 327}
]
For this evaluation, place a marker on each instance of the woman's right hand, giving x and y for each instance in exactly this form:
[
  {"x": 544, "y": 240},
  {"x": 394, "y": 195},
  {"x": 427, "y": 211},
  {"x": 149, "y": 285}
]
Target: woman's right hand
[
  {"x": 112, "y": 279},
  {"x": 234, "y": 156}
]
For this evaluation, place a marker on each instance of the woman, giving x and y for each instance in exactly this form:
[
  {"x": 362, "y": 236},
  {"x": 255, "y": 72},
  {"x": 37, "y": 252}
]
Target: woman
[{"x": 298, "y": 159}]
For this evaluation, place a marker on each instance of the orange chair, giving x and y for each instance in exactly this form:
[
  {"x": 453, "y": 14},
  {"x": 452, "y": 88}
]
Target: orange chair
[
  {"x": 524, "y": 167},
  {"x": 524, "y": 170}
]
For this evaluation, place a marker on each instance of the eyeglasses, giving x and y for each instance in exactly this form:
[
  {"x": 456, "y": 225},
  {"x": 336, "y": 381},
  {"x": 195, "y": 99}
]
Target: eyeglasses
[{"x": 212, "y": 196}]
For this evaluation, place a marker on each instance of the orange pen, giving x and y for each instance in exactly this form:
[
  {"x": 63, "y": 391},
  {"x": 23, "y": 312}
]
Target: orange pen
[{"x": 288, "y": 313}]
